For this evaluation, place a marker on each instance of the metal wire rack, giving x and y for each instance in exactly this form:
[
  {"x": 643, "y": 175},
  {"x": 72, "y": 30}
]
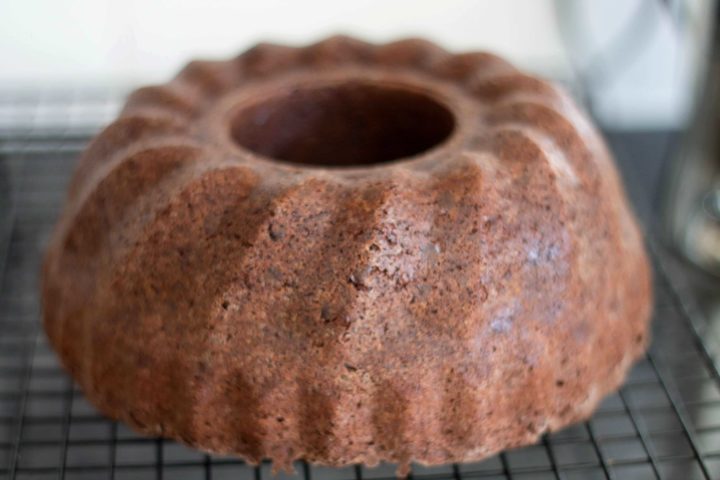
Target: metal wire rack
[{"x": 663, "y": 423}]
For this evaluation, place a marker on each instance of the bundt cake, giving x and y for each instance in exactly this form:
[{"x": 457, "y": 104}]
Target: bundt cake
[{"x": 348, "y": 253}]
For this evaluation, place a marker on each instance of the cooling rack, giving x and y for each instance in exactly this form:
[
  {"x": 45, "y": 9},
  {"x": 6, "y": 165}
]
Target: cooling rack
[{"x": 663, "y": 423}]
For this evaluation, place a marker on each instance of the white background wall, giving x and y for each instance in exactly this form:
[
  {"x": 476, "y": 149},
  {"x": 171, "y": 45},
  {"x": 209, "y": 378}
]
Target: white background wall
[{"x": 49, "y": 43}]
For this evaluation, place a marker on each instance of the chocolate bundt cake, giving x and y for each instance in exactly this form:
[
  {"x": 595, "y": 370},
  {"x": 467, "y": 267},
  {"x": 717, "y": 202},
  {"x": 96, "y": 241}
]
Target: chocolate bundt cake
[{"x": 348, "y": 253}]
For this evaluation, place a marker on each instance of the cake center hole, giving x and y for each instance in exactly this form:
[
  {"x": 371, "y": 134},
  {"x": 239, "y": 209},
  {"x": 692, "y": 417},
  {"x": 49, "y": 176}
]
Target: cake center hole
[{"x": 355, "y": 123}]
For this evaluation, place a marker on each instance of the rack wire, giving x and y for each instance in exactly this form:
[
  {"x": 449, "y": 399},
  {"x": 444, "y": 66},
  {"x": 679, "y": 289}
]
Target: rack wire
[{"x": 663, "y": 423}]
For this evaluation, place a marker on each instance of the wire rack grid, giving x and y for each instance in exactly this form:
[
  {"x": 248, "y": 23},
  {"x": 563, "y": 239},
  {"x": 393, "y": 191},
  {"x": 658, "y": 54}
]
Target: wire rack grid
[{"x": 663, "y": 423}]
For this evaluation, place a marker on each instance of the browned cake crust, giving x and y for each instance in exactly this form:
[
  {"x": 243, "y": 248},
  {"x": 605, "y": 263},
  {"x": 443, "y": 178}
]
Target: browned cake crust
[{"x": 486, "y": 288}]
